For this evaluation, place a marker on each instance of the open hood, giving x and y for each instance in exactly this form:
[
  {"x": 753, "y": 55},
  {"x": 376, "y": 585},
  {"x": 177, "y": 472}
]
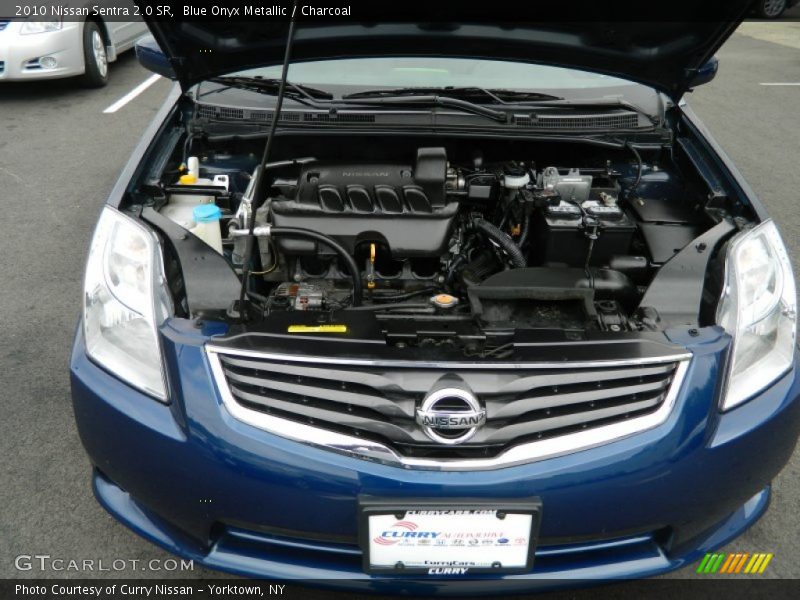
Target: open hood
[{"x": 662, "y": 55}]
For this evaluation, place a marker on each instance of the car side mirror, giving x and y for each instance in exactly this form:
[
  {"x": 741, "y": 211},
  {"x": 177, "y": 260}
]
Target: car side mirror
[
  {"x": 152, "y": 58},
  {"x": 705, "y": 73}
]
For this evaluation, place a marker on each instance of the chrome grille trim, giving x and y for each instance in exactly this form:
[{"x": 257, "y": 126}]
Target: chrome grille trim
[
  {"x": 522, "y": 453},
  {"x": 357, "y": 362}
]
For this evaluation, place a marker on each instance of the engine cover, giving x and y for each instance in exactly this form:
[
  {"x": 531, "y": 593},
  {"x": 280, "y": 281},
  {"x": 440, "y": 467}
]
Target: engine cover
[{"x": 402, "y": 206}]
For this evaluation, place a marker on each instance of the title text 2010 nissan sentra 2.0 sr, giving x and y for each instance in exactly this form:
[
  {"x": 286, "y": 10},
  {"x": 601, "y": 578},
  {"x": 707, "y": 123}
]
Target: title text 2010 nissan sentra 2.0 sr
[{"x": 470, "y": 317}]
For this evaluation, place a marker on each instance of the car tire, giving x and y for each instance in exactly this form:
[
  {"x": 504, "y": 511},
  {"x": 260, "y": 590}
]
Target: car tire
[
  {"x": 770, "y": 9},
  {"x": 95, "y": 58}
]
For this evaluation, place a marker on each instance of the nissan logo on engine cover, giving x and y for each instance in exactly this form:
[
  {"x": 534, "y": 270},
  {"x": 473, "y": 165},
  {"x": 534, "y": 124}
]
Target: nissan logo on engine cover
[{"x": 450, "y": 415}]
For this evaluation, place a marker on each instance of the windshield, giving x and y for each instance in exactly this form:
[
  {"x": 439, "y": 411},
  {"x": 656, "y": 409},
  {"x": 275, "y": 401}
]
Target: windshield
[{"x": 437, "y": 72}]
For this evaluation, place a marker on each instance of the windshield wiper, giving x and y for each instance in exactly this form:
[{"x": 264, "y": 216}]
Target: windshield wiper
[
  {"x": 456, "y": 97},
  {"x": 449, "y": 97},
  {"x": 428, "y": 100},
  {"x": 500, "y": 96},
  {"x": 270, "y": 87},
  {"x": 319, "y": 98}
]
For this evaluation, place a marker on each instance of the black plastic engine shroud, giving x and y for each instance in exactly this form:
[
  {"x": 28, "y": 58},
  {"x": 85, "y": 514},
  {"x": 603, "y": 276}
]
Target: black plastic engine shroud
[{"x": 402, "y": 206}]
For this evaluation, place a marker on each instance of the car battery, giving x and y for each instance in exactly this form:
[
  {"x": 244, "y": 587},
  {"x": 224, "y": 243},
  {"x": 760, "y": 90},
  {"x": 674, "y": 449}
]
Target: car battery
[{"x": 561, "y": 233}]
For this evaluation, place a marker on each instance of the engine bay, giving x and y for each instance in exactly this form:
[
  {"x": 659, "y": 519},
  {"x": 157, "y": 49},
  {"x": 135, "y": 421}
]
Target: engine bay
[{"x": 458, "y": 244}]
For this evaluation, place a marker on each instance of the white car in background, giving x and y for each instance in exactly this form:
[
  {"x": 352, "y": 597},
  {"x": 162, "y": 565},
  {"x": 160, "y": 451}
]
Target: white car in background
[{"x": 58, "y": 48}]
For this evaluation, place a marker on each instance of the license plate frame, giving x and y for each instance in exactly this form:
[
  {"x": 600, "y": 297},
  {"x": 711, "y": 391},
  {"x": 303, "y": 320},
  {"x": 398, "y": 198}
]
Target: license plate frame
[{"x": 369, "y": 506}]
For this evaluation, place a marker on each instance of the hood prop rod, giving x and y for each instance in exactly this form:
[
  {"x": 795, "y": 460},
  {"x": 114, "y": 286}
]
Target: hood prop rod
[{"x": 261, "y": 185}]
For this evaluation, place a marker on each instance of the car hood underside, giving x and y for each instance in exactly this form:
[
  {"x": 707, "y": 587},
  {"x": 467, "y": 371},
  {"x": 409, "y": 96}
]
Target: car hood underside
[{"x": 663, "y": 55}]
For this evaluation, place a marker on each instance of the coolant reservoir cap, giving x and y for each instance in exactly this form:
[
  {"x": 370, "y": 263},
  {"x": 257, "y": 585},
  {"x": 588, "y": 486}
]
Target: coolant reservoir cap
[
  {"x": 187, "y": 179},
  {"x": 206, "y": 213},
  {"x": 444, "y": 301}
]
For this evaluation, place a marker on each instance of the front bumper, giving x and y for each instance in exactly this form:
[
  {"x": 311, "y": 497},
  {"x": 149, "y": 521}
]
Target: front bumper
[
  {"x": 19, "y": 53},
  {"x": 208, "y": 487}
]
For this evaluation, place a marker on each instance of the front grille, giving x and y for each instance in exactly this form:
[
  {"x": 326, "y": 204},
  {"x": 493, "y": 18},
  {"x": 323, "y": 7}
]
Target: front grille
[
  {"x": 617, "y": 120},
  {"x": 378, "y": 402}
]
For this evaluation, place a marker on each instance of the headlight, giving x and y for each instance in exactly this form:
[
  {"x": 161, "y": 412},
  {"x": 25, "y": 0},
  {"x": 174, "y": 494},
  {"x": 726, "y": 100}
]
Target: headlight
[
  {"x": 40, "y": 26},
  {"x": 759, "y": 309},
  {"x": 125, "y": 300}
]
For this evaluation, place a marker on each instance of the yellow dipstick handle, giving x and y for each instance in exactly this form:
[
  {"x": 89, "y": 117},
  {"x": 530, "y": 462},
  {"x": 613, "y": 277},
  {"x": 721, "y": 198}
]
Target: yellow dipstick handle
[
  {"x": 371, "y": 276},
  {"x": 317, "y": 329}
]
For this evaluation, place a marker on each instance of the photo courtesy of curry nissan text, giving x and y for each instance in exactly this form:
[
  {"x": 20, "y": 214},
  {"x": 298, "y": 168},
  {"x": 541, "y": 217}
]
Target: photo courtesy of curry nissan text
[{"x": 431, "y": 303}]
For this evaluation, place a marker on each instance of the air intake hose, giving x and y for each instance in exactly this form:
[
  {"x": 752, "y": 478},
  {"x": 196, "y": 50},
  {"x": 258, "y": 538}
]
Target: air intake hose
[{"x": 503, "y": 240}]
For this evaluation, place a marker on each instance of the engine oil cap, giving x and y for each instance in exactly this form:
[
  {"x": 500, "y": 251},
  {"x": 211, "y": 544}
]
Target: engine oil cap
[{"x": 444, "y": 301}]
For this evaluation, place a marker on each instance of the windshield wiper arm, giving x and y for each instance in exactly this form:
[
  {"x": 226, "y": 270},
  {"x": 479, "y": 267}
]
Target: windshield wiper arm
[
  {"x": 429, "y": 100},
  {"x": 428, "y": 97},
  {"x": 501, "y": 96},
  {"x": 260, "y": 85},
  {"x": 320, "y": 98}
]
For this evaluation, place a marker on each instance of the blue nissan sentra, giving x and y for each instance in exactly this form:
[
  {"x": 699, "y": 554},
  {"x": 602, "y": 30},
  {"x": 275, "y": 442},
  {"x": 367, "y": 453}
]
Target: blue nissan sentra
[{"x": 458, "y": 309}]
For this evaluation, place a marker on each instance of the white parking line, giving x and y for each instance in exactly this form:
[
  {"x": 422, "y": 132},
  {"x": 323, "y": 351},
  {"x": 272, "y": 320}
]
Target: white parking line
[
  {"x": 132, "y": 94},
  {"x": 786, "y": 83}
]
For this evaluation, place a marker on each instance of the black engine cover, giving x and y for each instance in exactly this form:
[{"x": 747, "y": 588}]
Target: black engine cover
[{"x": 402, "y": 206}]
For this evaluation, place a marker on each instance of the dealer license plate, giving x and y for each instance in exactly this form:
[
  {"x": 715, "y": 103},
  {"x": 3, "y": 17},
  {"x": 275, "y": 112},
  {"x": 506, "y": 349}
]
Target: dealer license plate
[{"x": 448, "y": 540}]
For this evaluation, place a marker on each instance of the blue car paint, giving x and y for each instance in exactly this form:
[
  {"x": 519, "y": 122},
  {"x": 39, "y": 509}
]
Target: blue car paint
[
  {"x": 633, "y": 557},
  {"x": 172, "y": 472},
  {"x": 150, "y": 56},
  {"x": 188, "y": 467}
]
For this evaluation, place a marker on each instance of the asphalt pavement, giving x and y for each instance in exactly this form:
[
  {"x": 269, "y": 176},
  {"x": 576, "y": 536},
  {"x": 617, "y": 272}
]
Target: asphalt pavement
[{"x": 60, "y": 154}]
